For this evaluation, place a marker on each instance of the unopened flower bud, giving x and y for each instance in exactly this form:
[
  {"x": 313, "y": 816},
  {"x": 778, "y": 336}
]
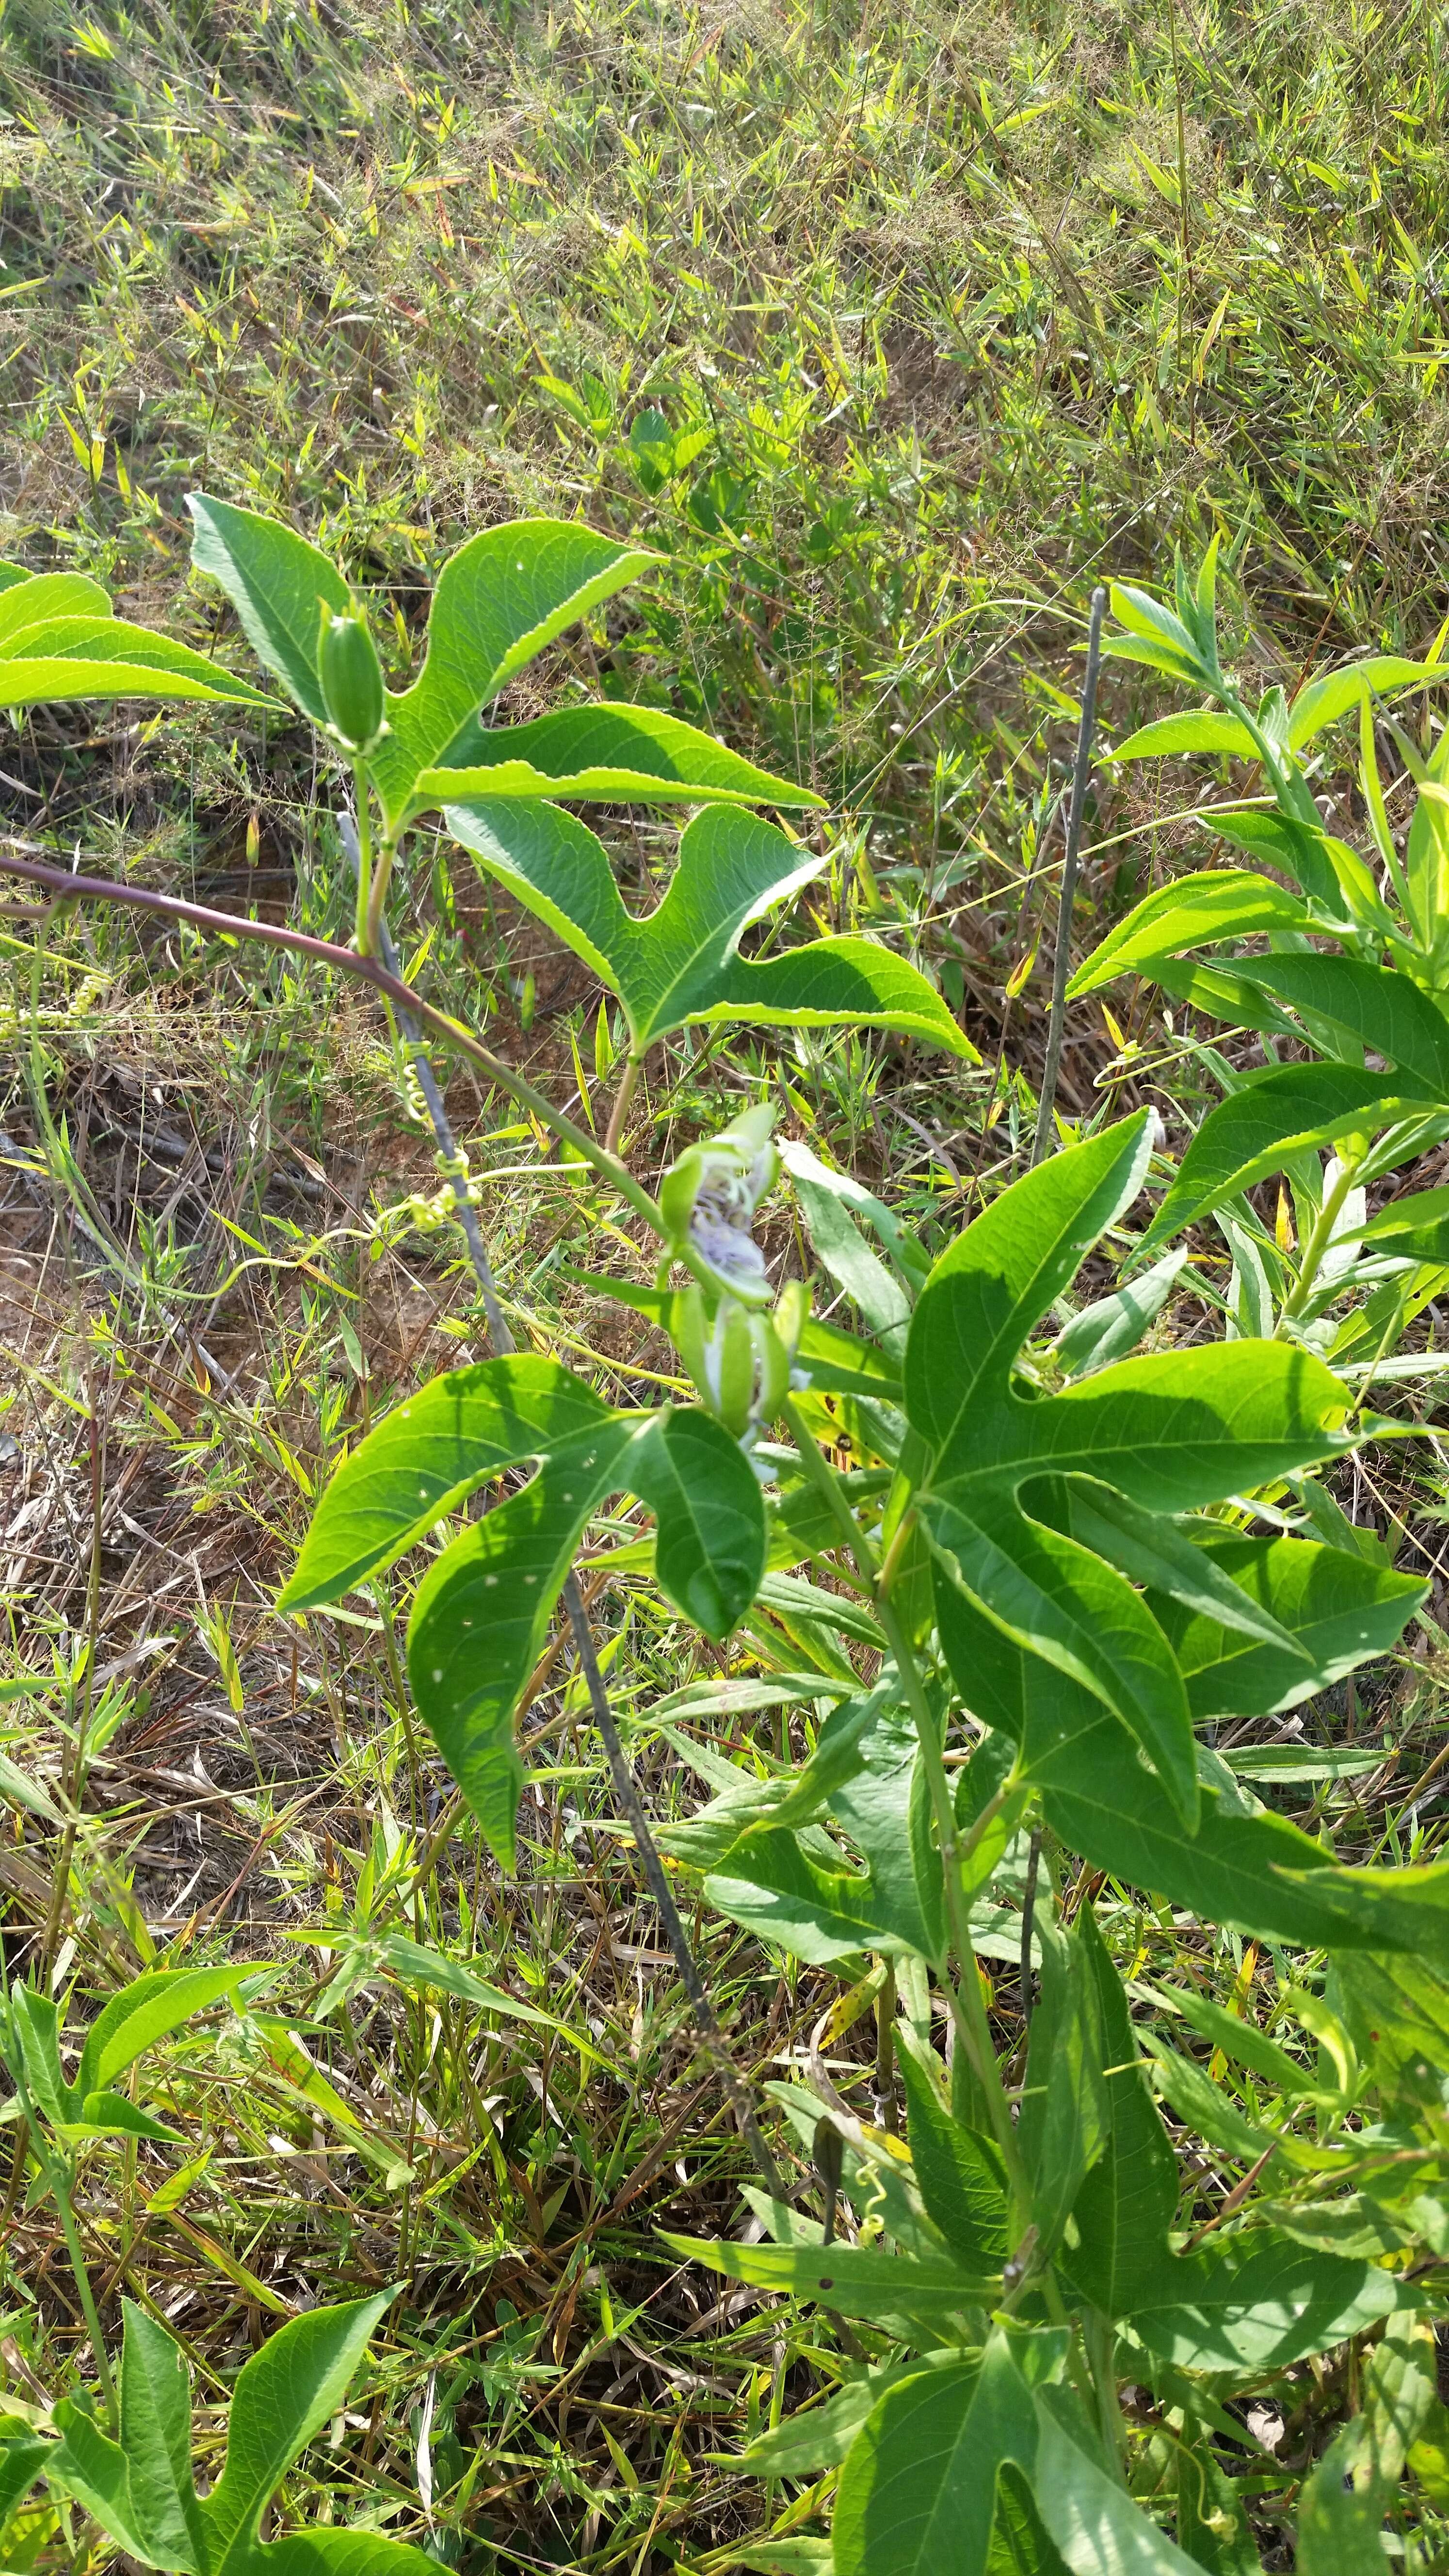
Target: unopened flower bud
[
  {"x": 737, "y": 1360},
  {"x": 352, "y": 683},
  {"x": 792, "y": 1313},
  {"x": 774, "y": 1377},
  {"x": 733, "y": 1356}
]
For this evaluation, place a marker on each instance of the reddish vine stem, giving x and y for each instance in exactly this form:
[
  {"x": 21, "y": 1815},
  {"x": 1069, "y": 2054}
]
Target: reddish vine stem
[{"x": 344, "y": 961}]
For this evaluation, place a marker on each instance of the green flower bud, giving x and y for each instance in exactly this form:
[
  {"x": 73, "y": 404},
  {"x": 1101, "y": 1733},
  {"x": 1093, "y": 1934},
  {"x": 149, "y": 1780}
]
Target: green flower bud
[
  {"x": 738, "y": 1362},
  {"x": 733, "y": 1358},
  {"x": 792, "y": 1313},
  {"x": 691, "y": 1335},
  {"x": 352, "y": 684},
  {"x": 774, "y": 1361}
]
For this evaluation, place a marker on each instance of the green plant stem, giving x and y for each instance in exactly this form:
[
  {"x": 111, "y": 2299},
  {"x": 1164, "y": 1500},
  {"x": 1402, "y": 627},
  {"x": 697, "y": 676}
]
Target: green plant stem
[
  {"x": 827, "y": 1484},
  {"x": 885, "y": 2072},
  {"x": 381, "y": 880},
  {"x": 367, "y": 944},
  {"x": 1062, "y": 961},
  {"x": 60, "y": 2188},
  {"x": 1319, "y": 1241},
  {"x": 1099, "y": 2343},
  {"x": 75, "y": 1762},
  {"x": 1389, "y": 1336},
  {"x": 623, "y": 1099},
  {"x": 1028, "y": 1921},
  {"x": 968, "y": 2012}
]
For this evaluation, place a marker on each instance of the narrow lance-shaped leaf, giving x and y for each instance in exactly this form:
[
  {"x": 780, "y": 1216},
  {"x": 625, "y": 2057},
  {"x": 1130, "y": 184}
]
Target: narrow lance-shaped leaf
[
  {"x": 156, "y": 2439},
  {"x": 958, "y": 2171},
  {"x": 44, "y": 597},
  {"x": 1259, "y": 1129},
  {"x": 1064, "y": 2121},
  {"x": 769, "y": 1881},
  {"x": 150, "y": 2009},
  {"x": 278, "y": 585},
  {"x": 1324, "y": 702},
  {"x": 1373, "y": 1008},
  {"x": 285, "y": 2394},
  {"x": 1093, "y": 2521},
  {"x": 1112, "y": 1326},
  {"x": 1331, "y": 1610},
  {"x": 1415, "y": 1226},
  {"x": 1128, "y": 2199},
  {"x": 1175, "y": 1561},
  {"x": 426, "y": 1971},
  {"x": 1060, "y": 1602},
  {"x": 1191, "y": 912},
  {"x": 1212, "y": 731},
  {"x": 840, "y": 1246},
  {"x": 104, "y": 657},
  {"x": 859, "y": 2280}
]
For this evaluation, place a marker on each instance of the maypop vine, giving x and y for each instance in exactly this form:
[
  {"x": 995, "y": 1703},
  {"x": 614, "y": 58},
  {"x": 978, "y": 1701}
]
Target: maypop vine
[{"x": 1008, "y": 1571}]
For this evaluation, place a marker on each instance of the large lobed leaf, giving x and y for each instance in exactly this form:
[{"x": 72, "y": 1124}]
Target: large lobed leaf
[
  {"x": 424, "y": 1460},
  {"x": 1243, "y": 1866},
  {"x": 482, "y": 1610},
  {"x": 988, "y": 2463},
  {"x": 680, "y": 963},
  {"x": 499, "y": 600},
  {"x": 866, "y": 1774},
  {"x": 1172, "y": 1431}
]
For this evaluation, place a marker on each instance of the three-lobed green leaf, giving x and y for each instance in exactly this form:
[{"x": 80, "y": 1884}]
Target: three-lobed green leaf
[
  {"x": 481, "y": 1612},
  {"x": 680, "y": 963},
  {"x": 1173, "y": 1431}
]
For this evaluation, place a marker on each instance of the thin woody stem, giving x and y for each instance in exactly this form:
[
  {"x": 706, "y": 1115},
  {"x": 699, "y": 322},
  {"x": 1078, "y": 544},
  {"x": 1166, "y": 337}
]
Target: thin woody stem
[{"x": 1061, "y": 963}]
